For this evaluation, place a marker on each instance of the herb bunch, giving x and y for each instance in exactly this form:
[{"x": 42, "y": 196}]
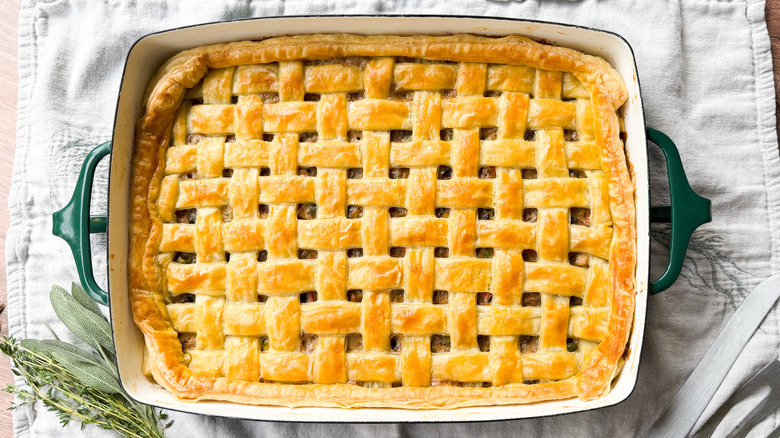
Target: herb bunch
[{"x": 76, "y": 384}]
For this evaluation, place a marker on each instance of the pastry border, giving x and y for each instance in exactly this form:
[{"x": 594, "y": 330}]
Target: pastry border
[{"x": 183, "y": 71}]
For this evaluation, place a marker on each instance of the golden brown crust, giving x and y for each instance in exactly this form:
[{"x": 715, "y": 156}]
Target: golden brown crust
[{"x": 464, "y": 112}]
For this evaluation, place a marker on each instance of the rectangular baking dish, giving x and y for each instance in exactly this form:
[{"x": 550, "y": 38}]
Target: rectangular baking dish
[{"x": 74, "y": 223}]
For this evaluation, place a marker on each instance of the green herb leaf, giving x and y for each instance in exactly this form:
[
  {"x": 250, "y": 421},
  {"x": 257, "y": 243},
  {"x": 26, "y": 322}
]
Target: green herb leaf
[
  {"x": 56, "y": 346},
  {"x": 51, "y": 331},
  {"x": 85, "y": 324},
  {"x": 83, "y": 298},
  {"x": 30, "y": 344},
  {"x": 89, "y": 374},
  {"x": 76, "y": 360}
]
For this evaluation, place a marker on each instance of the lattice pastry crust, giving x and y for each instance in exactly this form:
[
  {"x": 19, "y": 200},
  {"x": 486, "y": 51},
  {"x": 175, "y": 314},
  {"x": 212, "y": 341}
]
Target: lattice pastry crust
[{"x": 416, "y": 222}]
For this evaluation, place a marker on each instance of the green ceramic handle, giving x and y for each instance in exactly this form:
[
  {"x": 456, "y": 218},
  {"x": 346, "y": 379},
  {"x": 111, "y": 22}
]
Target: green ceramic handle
[
  {"x": 687, "y": 212},
  {"x": 74, "y": 224}
]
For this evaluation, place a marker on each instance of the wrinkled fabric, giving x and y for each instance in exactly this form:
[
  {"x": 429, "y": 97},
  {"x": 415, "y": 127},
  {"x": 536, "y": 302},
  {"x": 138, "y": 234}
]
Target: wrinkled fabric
[{"x": 706, "y": 74}]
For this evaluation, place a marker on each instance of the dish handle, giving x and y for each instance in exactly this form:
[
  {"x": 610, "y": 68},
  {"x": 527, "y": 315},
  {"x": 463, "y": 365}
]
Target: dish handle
[
  {"x": 687, "y": 211},
  {"x": 74, "y": 224}
]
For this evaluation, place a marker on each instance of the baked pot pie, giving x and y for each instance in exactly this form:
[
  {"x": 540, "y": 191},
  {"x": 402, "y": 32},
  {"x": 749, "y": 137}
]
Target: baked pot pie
[{"x": 383, "y": 221}]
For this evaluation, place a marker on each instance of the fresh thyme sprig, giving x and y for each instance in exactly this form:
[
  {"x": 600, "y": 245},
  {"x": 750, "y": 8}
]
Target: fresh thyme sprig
[{"x": 76, "y": 384}]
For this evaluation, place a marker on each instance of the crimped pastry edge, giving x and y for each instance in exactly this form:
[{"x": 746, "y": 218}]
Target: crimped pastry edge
[{"x": 184, "y": 70}]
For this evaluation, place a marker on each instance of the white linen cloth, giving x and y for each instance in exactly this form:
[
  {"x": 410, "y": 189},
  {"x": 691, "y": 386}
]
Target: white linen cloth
[{"x": 706, "y": 75}]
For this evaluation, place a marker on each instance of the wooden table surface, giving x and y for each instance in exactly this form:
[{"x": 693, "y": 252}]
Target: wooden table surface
[
  {"x": 9, "y": 18},
  {"x": 9, "y": 78}
]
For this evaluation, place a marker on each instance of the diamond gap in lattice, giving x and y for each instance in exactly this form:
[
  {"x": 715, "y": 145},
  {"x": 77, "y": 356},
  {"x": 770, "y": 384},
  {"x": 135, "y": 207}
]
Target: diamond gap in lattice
[{"x": 354, "y": 211}]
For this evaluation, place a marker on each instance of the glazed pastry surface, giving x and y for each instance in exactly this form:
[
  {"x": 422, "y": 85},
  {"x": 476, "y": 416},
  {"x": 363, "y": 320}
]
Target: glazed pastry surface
[{"x": 384, "y": 221}]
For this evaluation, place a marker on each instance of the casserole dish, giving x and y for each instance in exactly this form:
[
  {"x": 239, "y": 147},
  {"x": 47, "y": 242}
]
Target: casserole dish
[{"x": 155, "y": 48}]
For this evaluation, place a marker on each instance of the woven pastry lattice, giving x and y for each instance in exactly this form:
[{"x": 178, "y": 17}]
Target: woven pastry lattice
[{"x": 386, "y": 222}]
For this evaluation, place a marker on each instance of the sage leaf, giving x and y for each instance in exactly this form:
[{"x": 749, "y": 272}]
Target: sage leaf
[
  {"x": 33, "y": 345},
  {"x": 59, "y": 350},
  {"x": 51, "y": 331},
  {"x": 89, "y": 374},
  {"x": 85, "y": 324},
  {"x": 53, "y": 346},
  {"x": 84, "y": 299}
]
